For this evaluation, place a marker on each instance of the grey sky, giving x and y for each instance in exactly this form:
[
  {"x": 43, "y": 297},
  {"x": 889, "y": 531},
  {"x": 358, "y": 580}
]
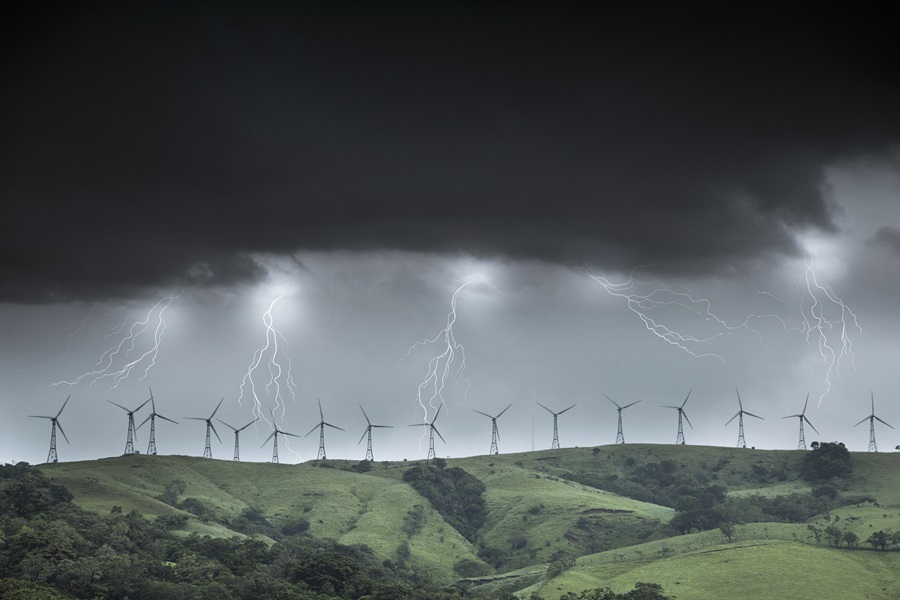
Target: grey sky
[{"x": 364, "y": 166}]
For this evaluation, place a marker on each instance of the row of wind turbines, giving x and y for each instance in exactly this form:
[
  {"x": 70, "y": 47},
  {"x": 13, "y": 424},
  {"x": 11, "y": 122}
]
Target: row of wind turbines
[{"x": 52, "y": 456}]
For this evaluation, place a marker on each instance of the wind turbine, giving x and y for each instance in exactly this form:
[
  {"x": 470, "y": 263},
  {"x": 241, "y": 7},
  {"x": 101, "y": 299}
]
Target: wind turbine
[
  {"x": 368, "y": 433},
  {"x": 151, "y": 447},
  {"x": 495, "y": 435},
  {"x": 132, "y": 434},
  {"x": 555, "y": 443},
  {"x": 741, "y": 443},
  {"x": 432, "y": 430},
  {"x": 620, "y": 437},
  {"x": 275, "y": 435},
  {"x": 801, "y": 445},
  {"x": 873, "y": 447},
  {"x": 321, "y": 426},
  {"x": 679, "y": 439},
  {"x": 207, "y": 450},
  {"x": 54, "y": 423},
  {"x": 237, "y": 433}
]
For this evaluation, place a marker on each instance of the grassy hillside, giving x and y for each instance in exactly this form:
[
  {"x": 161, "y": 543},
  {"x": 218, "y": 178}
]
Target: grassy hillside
[{"x": 556, "y": 521}]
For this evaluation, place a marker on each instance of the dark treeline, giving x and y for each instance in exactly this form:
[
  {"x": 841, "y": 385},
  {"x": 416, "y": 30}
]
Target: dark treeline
[
  {"x": 702, "y": 502},
  {"x": 50, "y": 548}
]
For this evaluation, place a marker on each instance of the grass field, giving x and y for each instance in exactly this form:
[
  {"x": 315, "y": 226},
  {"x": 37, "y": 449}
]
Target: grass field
[{"x": 539, "y": 516}]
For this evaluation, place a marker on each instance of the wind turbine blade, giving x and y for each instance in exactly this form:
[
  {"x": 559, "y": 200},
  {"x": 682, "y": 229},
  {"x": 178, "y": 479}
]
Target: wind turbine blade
[
  {"x": 810, "y": 424},
  {"x": 873, "y": 402},
  {"x": 438, "y": 412},
  {"x": 752, "y": 415},
  {"x": 248, "y": 424},
  {"x": 271, "y": 435},
  {"x": 419, "y": 425},
  {"x": 805, "y": 403},
  {"x": 686, "y": 397},
  {"x": 632, "y": 404},
  {"x": 740, "y": 405},
  {"x": 59, "y": 425},
  {"x": 613, "y": 401},
  {"x": 214, "y": 431},
  {"x": 70, "y": 395},
  {"x": 141, "y": 405},
  {"x": 483, "y": 413},
  {"x": 732, "y": 418},
  {"x": 290, "y": 434},
  {"x": 321, "y": 415},
  {"x": 863, "y": 421},
  {"x": 385, "y": 426},
  {"x": 217, "y": 408},
  {"x": 885, "y": 422},
  {"x": 686, "y": 418},
  {"x": 191, "y": 418},
  {"x": 314, "y": 428},
  {"x": 334, "y": 426},
  {"x": 363, "y": 436},
  {"x": 365, "y": 415},
  {"x": 168, "y": 419},
  {"x": 227, "y": 425},
  {"x": 667, "y": 406},
  {"x": 150, "y": 416},
  {"x": 792, "y": 416},
  {"x": 504, "y": 410},
  {"x": 564, "y": 410},
  {"x": 122, "y": 407},
  {"x": 544, "y": 407},
  {"x": 439, "y": 434},
  {"x": 41, "y": 417}
]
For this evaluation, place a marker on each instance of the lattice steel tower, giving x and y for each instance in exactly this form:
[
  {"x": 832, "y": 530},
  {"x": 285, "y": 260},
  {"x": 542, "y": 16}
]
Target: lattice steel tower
[
  {"x": 620, "y": 437},
  {"x": 52, "y": 457},
  {"x": 555, "y": 444}
]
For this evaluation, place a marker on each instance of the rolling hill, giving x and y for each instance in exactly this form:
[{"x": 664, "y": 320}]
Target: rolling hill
[{"x": 552, "y": 521}]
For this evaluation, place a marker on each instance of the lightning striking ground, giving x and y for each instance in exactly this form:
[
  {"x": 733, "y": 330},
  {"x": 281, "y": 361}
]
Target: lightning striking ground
[
  {"x": 439, "y": 365},
  {"x": 118, "y": 361},
  {"x": 271, "y": 357}
]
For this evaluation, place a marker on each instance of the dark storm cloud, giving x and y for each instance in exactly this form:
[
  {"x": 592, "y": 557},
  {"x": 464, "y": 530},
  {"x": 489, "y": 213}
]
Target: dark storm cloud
[
  {"x": 887, "y": 237},
  {"x": 156, "y": 148}
]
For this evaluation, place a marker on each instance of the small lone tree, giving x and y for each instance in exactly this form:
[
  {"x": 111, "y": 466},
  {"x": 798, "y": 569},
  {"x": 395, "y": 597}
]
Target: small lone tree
[
  {"x": 727, "y": 530},
  {"x": 851, "y": 539}
]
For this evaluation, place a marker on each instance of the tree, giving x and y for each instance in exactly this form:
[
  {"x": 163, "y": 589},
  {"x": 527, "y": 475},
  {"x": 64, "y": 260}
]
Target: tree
[
  {"x": 878, "y": 540},
  {"x": 727, "y": 530},
  {"x": 828, "y": 460},
  {"x": 834, "y": 535},
  {"x": 851, "y": 539}
]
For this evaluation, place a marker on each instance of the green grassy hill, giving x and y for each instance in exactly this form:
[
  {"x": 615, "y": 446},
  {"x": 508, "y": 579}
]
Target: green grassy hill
[{"x": 554, "y": 521}]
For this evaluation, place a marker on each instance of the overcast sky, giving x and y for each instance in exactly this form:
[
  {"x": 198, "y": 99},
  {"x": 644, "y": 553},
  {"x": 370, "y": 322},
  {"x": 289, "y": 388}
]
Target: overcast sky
[{"x": 635, "y": 204}]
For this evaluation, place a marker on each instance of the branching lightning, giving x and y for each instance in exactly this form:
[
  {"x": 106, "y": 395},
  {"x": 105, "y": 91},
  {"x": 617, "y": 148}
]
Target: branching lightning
[
  {"x": 824, "y": 317},
  {"x": 122, "y": 358},
  {"x": 271, "y": 357},
  {"x": 646, "y": 298},
  {"x": 826, "y": 328},
  {"x": 439, "y": 365}
]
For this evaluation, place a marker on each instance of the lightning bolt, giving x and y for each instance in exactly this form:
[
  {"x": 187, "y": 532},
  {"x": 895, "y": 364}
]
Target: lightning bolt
[
  {"x": 830, "y": 332},
  {"x": 440, "y": 364},
  {"x": 651, "y": 299},
  {"x": 118, "y": 361},
  {"x": 824, "y": 317},
  {"x": 275, "y": 360}
]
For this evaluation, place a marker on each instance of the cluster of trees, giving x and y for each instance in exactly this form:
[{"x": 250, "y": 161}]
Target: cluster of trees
[
  {"x": 835, "y": 536},
  {"x": 641, "y": 591},
  {"x": 457, "y": 495},
  {"x": 50, "y": 548}
]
